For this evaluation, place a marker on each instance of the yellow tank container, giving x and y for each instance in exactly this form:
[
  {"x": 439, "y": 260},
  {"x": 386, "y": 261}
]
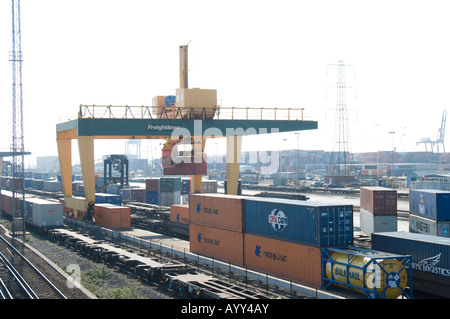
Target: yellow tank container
[{"x": 365, "y": 272}]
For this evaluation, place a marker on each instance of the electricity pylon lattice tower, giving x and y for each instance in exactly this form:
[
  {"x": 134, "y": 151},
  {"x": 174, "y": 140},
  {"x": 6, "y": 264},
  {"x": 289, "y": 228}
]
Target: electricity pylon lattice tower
[
  {"x": 17, "y": 147},
  {"x": 341, "y": 157}
]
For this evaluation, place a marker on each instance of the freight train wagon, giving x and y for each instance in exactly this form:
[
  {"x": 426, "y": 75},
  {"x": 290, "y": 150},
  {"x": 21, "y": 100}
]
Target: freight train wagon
[{"x": 37, "y": 211}]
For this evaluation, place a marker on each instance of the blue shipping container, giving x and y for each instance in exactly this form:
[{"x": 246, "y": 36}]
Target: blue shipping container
[
  {"x": 308, "y": 223},
  {"x": 430, "y": 203},
  {"x": 429, "y": 254},
  {"x": 152, "y": 198},
  {"x": 103, "y": 198}
]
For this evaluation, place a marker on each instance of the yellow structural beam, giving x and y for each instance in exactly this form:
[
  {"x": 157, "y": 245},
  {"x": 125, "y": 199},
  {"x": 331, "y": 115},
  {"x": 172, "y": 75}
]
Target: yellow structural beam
[
  {"x": 196, "y": 180},
  {"x": 86, "y": 149},
  {"x": 234, "y": 144},
  {"x": 64, "y": 142}
]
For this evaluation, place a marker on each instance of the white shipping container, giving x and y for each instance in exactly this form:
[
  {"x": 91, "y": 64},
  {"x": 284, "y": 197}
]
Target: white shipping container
[
  {"x": 420, "y": 225},
  {"x": 376, "y": 224},
  {"x": 46, "y": 213},
  {"x": 52, "y": 186}
]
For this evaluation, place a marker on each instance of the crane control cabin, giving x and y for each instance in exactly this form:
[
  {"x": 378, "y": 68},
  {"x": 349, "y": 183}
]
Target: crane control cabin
[{"x": 184, "y": 120}]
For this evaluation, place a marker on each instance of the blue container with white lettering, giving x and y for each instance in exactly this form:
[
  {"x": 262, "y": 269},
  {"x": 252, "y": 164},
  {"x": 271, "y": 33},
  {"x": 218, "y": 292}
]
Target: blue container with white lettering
[
  {"x": 308, "y": 223},
  {"x": 430, "y": 258},
  {"x": 430, "y": 203}
]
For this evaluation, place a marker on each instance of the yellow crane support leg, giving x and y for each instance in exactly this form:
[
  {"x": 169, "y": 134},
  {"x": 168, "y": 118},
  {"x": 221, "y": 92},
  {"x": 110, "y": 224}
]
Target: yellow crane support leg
[
  {"x": 199, "y": 148},
  {"x": 233, "y": 162},
  {"x": 86, "y": 149},
  {"x": 65, "y": 162}
]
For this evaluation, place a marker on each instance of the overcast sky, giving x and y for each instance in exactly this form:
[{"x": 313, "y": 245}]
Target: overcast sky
[{"x": 255, "y": 53}]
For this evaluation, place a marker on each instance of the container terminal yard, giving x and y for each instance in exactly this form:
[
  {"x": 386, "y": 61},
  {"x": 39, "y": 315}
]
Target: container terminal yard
[{"x": 200, "y": 232}]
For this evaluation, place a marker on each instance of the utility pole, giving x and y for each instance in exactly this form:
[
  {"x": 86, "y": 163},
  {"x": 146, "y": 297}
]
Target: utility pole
[{"x": 17, "y": 148}]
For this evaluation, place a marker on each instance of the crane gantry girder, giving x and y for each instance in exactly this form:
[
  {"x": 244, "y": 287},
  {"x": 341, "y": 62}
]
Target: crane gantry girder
[{"x": 86, "y": 130}]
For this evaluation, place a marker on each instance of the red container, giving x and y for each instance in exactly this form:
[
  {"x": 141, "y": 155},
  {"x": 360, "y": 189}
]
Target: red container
[
  {"x": 112, "y": 216},
  {"x": 379, "y": 201},
  {"x": 6, "y": 202},
  {"x": 152, "y": 185},
  {"x": 138, "y": 195},
  {"x": 221, "y": 244},
  {"x": 179, "y": 214},
  {"x": 288, "y": 260},
  {"x": 217, "y": 210}
]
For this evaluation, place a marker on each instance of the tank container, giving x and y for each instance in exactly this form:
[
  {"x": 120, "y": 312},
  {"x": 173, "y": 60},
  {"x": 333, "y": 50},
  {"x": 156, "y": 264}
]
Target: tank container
[{"x": 378, "y": 275}]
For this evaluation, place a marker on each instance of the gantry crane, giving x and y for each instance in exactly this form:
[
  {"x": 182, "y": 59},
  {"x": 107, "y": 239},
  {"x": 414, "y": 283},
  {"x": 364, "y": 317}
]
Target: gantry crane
[
  {"x": 192, "y": 111},
  {"x": 440, "y": 136}
]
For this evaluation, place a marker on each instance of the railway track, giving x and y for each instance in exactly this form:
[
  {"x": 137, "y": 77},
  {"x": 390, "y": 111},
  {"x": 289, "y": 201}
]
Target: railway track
[{"x": 20, "y": 279}]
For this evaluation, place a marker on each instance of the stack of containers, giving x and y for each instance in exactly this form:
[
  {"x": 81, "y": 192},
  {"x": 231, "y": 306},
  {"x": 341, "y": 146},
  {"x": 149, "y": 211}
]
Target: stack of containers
[
  {"x": 429, "y": 212},
  {"x": 170, "y": 190},
  {"x": 133, "y": 194},
  {"x": 112, "y": 216},
  {"x": 216, "y": 226},
  {"x": 378, "y": 209},
  {"x": 281, "y": 237},
  {"x": 152, "y": 191},
  {"x": 286, "y": 237}
]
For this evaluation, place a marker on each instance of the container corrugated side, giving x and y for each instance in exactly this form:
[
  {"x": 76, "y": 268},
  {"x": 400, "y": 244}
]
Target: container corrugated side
[
  {"x": 44, "y": 213},
  {"x": 309, "y": 223},
  {"x": 179, "y": 213},
  {"x": 104, "y": 198},
  {"x": 379, "y": 200},
  {"x": 418, "y": 224},
  {"x": 430, "y": 254},
  {"x": 218, "y": 210},
  {"x": 112, "y": 216},
  {"x": 377, "y": 223},
  {"x": 152, "y": 198},
  {"x": 291, "y": 261},
  {"x": 430, "y": 203},
  {"x": 222, "y": 244},
  {"x": 152, "y": 185},
  {"x": 170, "y": 184}
]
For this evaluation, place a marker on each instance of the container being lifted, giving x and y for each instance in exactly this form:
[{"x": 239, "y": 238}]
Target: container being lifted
[{"x": 378, "y": 275}]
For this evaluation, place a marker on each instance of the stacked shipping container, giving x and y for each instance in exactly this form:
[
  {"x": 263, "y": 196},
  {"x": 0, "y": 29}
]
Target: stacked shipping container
[
  {"x": 280, "y": 237},
  {"x": 38, "y": 212},
  {"x": 216, "y": 226},
  {"x": 429, "y": 212},
  {"x": 112, "y": 216},
  {"x": 378, "y": 209},
  {"x": 164, "y": 191},
  {"x": 430, "y": 258}
]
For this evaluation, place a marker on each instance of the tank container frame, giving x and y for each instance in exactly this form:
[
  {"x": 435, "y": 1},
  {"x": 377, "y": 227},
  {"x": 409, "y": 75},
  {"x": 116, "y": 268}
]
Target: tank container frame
[{"x": 371, "y": 293}]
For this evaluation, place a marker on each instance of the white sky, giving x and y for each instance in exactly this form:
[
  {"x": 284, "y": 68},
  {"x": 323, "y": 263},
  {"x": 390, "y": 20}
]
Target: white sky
[{"x": 255, "y": 53}]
